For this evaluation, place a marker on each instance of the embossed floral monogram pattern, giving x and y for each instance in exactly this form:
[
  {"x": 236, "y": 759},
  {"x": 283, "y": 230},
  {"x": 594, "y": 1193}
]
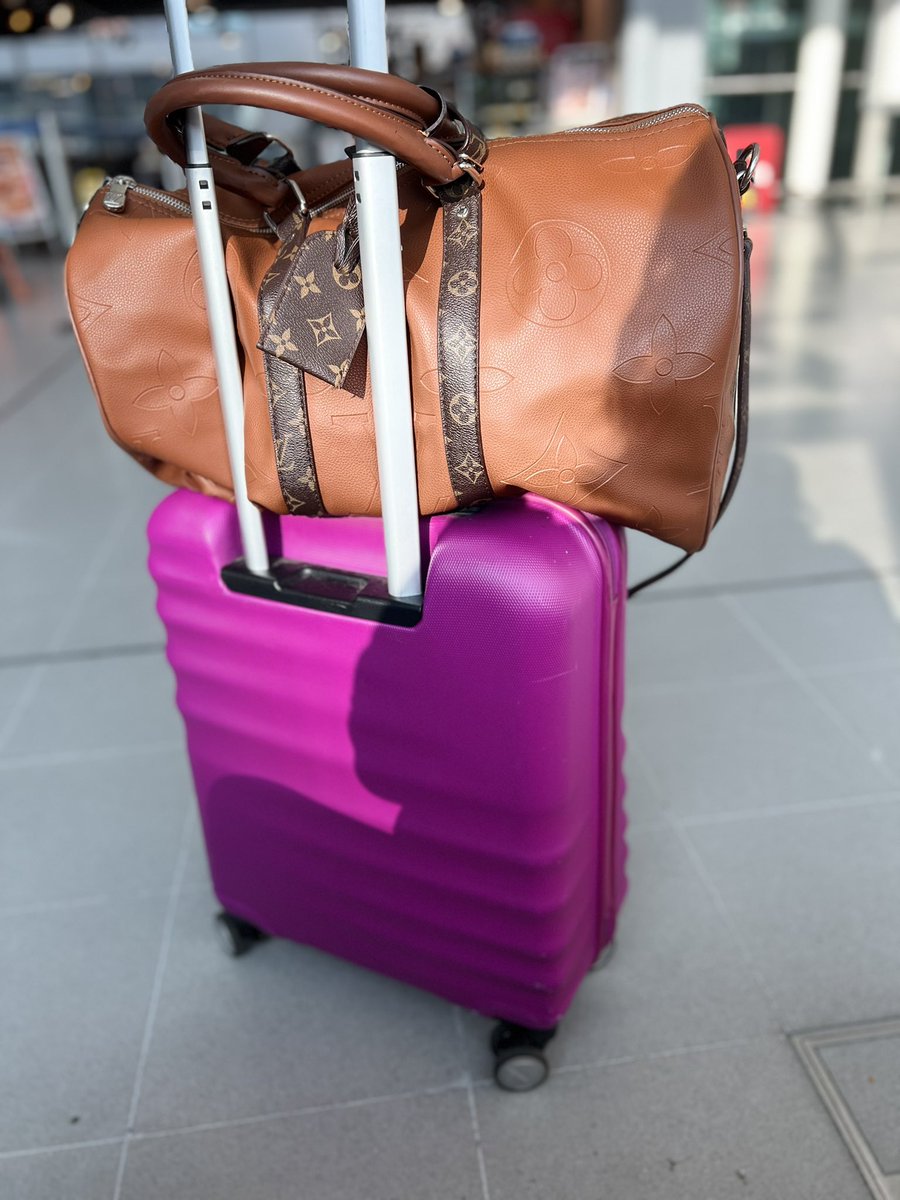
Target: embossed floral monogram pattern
[
  {"x": 176, "y": 391},
  {"x": 558, "y": 275},
  {"x": 719, "y": 248},
  {"x": 567, "y": 472},
  {"x": 604, "y": 253},
  {"x": 648, "y": 161},
  {"x": 663, "y": 366},
  {"x": 86, "y": 312},
  {"x": 192, "y": 283},
  {"x": 458, "y": 375}
]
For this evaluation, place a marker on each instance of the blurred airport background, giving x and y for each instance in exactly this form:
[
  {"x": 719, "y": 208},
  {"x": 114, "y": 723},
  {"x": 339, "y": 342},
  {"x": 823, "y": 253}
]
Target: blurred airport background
[
  {"x": 763, "y": 685},
  {"x": 816, "y": 79}
]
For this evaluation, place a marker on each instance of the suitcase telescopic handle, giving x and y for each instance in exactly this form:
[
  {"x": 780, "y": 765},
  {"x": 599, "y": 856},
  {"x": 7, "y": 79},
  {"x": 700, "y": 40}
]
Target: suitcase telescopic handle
[
  {"x": 205, "y": 213},
  {"x": 375, "y": 177},
  {"x": 378, "y": 209}
]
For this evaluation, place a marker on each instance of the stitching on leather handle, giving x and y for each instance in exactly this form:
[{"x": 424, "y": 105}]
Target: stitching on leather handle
[
  {"x": 326, "y": 94},
  {"x": 400, "y": 108}
]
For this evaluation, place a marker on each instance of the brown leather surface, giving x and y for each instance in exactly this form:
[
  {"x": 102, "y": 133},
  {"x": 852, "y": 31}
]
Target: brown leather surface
[{"x": 609, "y": 323}]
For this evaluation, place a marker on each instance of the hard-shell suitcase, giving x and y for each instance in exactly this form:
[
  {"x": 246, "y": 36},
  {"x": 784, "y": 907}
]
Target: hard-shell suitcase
[
  {"x": 419, "y": 771},
  {"x": 441, "y": 802}
]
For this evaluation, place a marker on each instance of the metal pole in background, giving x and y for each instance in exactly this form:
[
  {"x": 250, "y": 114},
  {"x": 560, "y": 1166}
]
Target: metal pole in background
[
  {"x": 662, "y": 53},
  {"x": 205, "y": 211},
  {"x": 56, "y": 163},
  {"x": 879, "y": 100},
  {"x": 816, "y": 97},
  {"x": 377, "y": 203}
]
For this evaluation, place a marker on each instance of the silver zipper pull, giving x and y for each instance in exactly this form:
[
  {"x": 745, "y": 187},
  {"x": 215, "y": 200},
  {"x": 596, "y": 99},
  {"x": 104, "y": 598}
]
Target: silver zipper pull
[{"x": 116, "y": 191}]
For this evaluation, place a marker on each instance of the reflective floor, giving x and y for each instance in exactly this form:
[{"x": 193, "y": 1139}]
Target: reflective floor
[{"x": 138, "y": 1063}]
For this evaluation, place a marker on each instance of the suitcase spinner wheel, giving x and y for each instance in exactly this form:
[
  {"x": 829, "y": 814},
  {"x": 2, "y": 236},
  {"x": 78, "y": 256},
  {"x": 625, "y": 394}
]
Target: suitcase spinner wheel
[
  {"x": 520, "y": 1064},
  {"x": 236, "y": 936}
]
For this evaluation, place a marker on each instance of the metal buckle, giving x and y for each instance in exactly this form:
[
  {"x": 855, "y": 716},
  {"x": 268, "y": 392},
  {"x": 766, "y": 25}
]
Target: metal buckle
[
  {"x": 745, "y": 165},
  {"x": 249, "y": 151},
  {"x": 302, "y": 204},
  {"x": 457, "y": 188},
  {"x": 301, "y": 199},
  {"x": 474, "y": 169}
]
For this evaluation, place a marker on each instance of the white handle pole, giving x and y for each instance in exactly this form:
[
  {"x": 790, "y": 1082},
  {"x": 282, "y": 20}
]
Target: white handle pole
[
  {"x": 205, "y": 212},
  {"x": 375, "y": 174}
]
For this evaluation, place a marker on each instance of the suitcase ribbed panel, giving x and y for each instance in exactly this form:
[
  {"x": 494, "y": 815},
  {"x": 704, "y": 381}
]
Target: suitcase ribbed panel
[{"x": 442, "y": 803}]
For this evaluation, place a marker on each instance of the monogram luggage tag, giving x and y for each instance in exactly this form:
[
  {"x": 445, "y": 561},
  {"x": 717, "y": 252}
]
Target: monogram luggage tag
[{"x": 317, "y": 321}]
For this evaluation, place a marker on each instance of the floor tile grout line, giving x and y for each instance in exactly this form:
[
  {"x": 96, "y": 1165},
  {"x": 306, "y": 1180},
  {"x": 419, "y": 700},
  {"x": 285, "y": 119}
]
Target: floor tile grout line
[
  {"x": 309, "y": 1110},
  {"x": 715, "y": 895},
  {"x": 34, "y": 387},
  {"x": 697, "y": 687},
  {"x": 76, "y": 902},
  {"x": 462, "y": 1086},
  {"x": 29, "y": 691},
  {"x": 807, "y": 684},
  {"x": 60, "y": 1148},
  {"x": 668, "y": 817},
  {"x": 473, "y": 1107},
  {"x": 740, "y": 941},
  {"x": 155, "y": 993},
  {"x": 479, "y": 1145},
  {"x": 801, "y": 808},
  {"x": 628, "y": 1060},
  {"x": 54, "y": 658},
  {"x": 92, "y": 575},
  {"x": 863, "y": 666},
  {"x": 64, "y": 758},
  {"x": 237, "y": 1122},
  {"x": 772, "y": 584},
  {"x": 52, "y": 906}
]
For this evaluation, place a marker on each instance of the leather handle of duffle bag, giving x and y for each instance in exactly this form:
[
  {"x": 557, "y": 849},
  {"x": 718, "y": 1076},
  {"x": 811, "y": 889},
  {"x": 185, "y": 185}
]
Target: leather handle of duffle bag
[{"x": 412, "y": 123}]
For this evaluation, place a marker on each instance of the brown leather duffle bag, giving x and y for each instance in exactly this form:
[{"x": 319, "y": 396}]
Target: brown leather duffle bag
[{"x": 576, "y": 303}]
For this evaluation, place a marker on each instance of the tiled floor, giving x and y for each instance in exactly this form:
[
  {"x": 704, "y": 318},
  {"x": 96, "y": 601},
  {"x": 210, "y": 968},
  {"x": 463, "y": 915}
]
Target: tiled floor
[{"x": 137, "y": 1062}]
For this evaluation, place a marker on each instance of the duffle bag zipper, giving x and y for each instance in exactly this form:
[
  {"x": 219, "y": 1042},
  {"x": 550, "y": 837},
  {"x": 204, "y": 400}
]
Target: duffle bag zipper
[
  {"x": 119, "y": 186},
  {"x": 641, "y": 122}
]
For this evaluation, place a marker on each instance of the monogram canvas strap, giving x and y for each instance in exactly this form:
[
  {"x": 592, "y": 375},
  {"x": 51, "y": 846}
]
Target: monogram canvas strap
[
  {"x": 284, "y": 382},
  {"x": 459, "y": 306},
  {"x": 312, "y": 319}
]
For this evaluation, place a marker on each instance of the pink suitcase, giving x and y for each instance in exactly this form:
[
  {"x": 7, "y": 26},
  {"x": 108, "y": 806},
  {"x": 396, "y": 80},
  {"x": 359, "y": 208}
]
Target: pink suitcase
[
  {"x": 440, "y": 802},
  {"x": 405, "y": 735}
]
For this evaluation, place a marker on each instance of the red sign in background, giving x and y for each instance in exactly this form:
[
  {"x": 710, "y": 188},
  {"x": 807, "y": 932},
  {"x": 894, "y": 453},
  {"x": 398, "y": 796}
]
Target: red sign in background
[{"x": 766, "y": 192}]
